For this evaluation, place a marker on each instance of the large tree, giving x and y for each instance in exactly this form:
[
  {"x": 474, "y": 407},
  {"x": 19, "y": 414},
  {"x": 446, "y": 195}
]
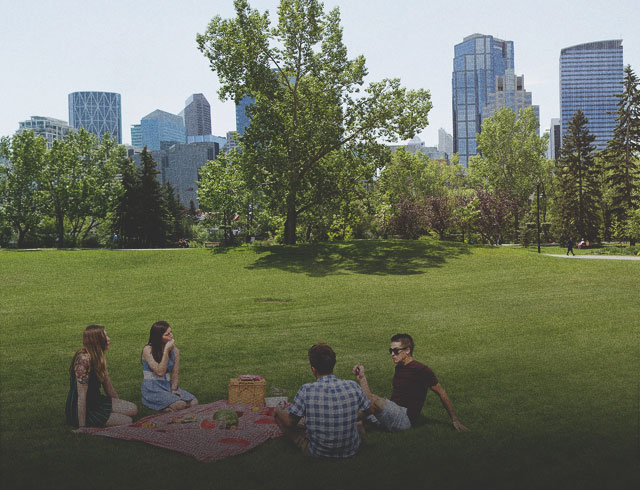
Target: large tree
[
  {"x": 579, "y": 179},
  {"x": 21, "y": 181},
  {"x": 622, "y": 155},
  {"x": 309, "y": 102},
  {"x": 223, "y": 194},
  {"x": 512, "y": 156},
  {"x": 80, "y": 184}
]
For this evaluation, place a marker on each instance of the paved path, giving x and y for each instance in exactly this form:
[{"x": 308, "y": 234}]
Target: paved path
[{"x": 605, "y": 257}]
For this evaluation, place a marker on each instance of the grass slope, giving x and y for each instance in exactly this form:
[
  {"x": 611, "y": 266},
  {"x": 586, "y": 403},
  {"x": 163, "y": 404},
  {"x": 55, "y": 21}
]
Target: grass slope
[{"x": 539, "y": 356}]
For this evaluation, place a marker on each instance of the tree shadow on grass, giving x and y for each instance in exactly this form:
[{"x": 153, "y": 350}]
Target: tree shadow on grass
[{"x": 379, "y": 257}]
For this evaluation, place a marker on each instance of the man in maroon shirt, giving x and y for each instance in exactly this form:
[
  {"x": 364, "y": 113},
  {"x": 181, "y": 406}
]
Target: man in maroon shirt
[{"x": 411, "y": 382}]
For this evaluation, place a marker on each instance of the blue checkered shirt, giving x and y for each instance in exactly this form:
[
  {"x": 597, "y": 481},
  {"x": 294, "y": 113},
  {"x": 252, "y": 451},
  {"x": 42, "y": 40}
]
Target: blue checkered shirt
[{"x": 331, "y": 407}]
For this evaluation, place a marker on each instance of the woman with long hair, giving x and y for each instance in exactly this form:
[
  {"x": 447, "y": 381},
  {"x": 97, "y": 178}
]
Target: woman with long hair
[
  {"x": 161, "y": 370},
  {"x": 86, "y": 405}
]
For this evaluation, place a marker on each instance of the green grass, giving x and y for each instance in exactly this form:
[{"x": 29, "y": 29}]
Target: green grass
[{"x": 539, "y": 355}]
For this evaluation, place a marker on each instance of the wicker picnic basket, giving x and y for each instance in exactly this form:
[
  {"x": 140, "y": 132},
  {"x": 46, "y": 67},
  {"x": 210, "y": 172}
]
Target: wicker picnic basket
[{"x": 249, "y": 391}]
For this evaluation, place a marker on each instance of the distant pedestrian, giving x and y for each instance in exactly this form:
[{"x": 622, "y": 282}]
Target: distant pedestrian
[{"x": 570, "y": 246}]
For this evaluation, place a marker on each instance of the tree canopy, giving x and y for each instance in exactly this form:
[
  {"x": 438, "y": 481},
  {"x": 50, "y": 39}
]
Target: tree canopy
[{"x": 310, "y": 102}]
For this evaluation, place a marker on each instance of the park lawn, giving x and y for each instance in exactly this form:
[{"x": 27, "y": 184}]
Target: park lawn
[{"x": 538, "y": 354}]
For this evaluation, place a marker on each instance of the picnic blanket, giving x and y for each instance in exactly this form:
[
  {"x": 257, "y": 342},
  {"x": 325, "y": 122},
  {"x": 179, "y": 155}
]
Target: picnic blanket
[{"x": 193, "y": 431}]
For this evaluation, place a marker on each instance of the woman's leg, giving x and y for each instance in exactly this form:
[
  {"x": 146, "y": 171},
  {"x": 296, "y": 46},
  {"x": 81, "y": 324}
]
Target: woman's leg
[
  {"x": 175, "y": 406},
  {"x": 122, "y": 412},
  {"x": 123, "y": 407},
  {"x": 192, "y": 403}
]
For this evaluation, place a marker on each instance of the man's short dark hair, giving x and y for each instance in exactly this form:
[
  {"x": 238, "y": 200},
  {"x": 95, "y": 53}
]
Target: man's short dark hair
[
  {"x": 322, "y": 357},
  {"x": 405, "y": 339}
]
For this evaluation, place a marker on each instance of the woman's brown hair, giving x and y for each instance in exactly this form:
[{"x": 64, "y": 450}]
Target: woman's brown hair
[
  {"x": 94, "y": 342},
  {"x": 155, "y": 339}
]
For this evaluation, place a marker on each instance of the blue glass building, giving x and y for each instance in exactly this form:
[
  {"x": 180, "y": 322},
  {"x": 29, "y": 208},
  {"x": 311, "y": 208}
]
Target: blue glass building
[
  {"x": 478, "y": 60},
  {"x": 242, "y": 119},
  {"x": 162, "y": 129},
  {"x": 97, "y": 112},
  {"x": 591, "y": 75}
]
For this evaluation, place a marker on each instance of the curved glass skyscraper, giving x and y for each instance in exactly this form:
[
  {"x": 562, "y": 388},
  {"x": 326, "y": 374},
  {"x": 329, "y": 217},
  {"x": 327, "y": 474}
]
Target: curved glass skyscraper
[
  {"x": 590, "y": 76},
  {"x": 97, "y": 112}
]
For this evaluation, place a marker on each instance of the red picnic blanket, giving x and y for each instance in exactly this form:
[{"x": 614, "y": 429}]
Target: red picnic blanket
[{"x": 193, "y": 431}]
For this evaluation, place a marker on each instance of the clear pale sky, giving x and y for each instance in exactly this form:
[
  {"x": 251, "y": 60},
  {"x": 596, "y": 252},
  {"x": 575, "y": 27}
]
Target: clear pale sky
[{"x": 146, "y": 51}]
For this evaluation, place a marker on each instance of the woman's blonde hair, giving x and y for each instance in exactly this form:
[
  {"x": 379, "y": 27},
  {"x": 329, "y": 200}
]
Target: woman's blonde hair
[{"x": 94, "y": 341}]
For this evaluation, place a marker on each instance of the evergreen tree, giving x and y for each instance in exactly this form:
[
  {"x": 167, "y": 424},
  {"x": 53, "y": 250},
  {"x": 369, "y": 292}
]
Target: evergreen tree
[
  {"x": 154, "y": 220},
  {"x": 177, "y": 214},
  {"x": 579, "y": 181},
  {"x": 623, "y": 152},
  {"x": 126, "y": 222}
]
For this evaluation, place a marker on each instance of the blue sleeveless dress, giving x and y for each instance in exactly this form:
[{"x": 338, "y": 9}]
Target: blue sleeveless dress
[{"x": 156, "y": 390}]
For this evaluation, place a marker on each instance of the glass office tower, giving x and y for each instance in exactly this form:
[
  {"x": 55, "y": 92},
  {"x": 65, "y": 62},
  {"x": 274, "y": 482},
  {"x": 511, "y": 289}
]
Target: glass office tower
[
  {"x": 161, "y": 129},
  {"x": 97, "y": 112},
  {"x": 591, "y": 75},
  {"x": 478, "y": 60},
  {"x": 242, "y": 118}
]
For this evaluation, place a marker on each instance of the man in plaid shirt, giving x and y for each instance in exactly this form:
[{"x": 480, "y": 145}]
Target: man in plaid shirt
[{"x": 330, "y": 407}]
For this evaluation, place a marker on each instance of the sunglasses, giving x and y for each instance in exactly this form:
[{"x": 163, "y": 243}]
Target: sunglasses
[{"x": 395, "y": 351}]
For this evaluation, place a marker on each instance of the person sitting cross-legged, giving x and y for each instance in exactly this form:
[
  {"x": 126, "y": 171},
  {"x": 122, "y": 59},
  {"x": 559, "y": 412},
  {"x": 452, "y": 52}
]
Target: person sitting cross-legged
[
  {"x": 331, "y": 409},
  {"x": 411, "y": 382}
]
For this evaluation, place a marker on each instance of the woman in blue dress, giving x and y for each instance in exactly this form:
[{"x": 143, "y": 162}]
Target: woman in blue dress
[{"x": 161, "y": 370}]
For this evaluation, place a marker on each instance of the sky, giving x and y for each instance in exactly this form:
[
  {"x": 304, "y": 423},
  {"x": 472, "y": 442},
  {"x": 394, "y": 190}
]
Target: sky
[{"x": 146, "y": 50}]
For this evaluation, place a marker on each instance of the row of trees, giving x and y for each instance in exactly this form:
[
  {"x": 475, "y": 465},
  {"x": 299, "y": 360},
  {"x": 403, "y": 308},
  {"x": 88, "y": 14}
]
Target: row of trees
[{"x": 82, "y": 188}]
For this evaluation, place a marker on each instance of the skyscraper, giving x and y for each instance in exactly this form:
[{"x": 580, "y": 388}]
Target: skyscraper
[
  {"x": 445, "y": 142},
  {"x": 510, "y": 93},
  {"x": 554, "y": 140},
  {"x": 242, "y": 118},
  {"x": 590, "y": 76},
  {"x": 478, "y": 60},
  {"x": 97, "y": 112},
  {"x": 136, "y": 135},
  {"x": 197, "y": 115},
  {"x": 162, "y": 129}
]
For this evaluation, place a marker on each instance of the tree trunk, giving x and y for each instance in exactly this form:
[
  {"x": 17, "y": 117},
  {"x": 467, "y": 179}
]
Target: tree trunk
[
  {"x": 60, "y": 229},
  {"x": 292, "y": 217},
  {"x": 21, "y": 234},
  {"x": 290, "y": 226}
]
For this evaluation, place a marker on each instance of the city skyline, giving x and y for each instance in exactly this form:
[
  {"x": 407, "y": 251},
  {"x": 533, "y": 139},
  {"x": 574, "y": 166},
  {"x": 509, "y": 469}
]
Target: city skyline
[{"x": 146, "y": 51}]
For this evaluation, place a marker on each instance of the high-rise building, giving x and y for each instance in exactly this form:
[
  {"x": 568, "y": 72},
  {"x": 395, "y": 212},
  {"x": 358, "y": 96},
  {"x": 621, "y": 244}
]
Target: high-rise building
[
  {"x": 242, "y": 118},
  {"x": 136, "y": 135},
  {"x": 232, "y": 142},
  {"x": 49, "y": 128},
  {"x": 180, "y": 164},
  {"x": 445, "y": 142},
  {"x": 162, "y": 129},
  {"x": 554, "y": 140},
  {"x": 97, "y": 112},
  {"x": 510, "y": 93},
  {"x": 590, "y": 76},
  {"x": 197, "y": 115},
  {"x": 478, "y": 60}
]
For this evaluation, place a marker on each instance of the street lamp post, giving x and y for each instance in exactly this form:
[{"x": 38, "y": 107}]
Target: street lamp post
[{"x": 538, "y": 213}]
